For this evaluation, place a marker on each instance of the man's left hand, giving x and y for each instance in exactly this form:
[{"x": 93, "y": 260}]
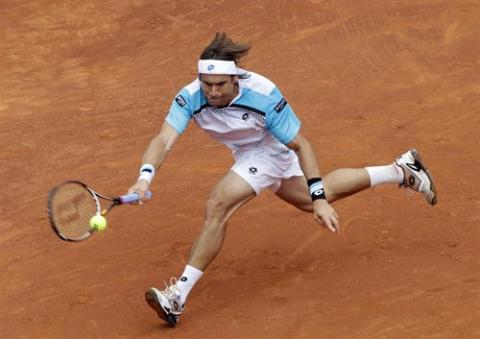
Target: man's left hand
[{"x": 325, "y": 215}]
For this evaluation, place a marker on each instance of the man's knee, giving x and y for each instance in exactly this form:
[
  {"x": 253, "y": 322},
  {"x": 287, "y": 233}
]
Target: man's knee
[{"x": 216, "y": 208}]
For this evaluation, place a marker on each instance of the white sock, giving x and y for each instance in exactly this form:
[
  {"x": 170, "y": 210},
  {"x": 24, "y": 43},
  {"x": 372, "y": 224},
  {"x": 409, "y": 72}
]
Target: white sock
[
  {"x": 390, "y": 174},
  {"x": 187, "y": 280}
]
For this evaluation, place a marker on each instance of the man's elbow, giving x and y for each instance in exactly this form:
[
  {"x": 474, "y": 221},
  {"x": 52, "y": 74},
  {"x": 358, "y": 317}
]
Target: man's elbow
[{"x": 298, "y": 144}]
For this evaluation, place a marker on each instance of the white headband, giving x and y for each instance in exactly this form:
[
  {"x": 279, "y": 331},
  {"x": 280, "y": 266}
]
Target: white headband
[{"x": 217, "y": 67}]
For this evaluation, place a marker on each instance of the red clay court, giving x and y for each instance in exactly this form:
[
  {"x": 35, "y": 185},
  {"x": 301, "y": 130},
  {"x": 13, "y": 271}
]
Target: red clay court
[{"x": 84, "y": 85}]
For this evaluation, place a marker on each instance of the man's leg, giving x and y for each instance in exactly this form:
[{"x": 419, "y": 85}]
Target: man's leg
[
  {"x": 228, "y": 195},
  {"x": 408, "y": 171},
  {"x": 338, "y": 184}
]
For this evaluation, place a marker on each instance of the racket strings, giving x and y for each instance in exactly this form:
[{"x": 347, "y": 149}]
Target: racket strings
[{"x": 72, "y": 206}]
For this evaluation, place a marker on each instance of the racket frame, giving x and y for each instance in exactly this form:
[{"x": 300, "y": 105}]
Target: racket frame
[{"x": 115, "y": 201}]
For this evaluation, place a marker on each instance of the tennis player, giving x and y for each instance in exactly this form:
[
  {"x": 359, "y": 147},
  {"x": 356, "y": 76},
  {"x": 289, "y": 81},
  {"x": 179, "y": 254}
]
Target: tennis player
[{"x": 247, "y": 112}]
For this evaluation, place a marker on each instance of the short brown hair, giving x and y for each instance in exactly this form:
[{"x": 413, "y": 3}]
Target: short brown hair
[{"x": 224, "y": 48}]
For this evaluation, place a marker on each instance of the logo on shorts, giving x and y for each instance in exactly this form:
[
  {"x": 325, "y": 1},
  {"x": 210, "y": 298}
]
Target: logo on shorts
[
  {"x": 253, "y": 170},
  {"x": 245, "y": 116},
  {"x": 180, "y": 100},
  {"x": 210, "y": 67}
]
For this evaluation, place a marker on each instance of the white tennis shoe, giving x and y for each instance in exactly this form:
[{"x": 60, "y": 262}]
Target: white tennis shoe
[
  {"x": 416, "y": 175},
  {"x": 166, "y": 303}
]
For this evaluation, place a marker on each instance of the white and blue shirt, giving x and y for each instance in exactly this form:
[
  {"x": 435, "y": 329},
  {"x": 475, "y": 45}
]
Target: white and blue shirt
[{"x": 259, "y": 116}]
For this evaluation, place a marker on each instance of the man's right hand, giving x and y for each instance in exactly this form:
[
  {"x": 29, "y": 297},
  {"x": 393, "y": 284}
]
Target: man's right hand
[{"x": 140, "y": 187}]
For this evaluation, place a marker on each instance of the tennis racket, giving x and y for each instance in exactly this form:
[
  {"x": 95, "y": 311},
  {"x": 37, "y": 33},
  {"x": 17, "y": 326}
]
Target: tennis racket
[{"x": 71, "y": 205}]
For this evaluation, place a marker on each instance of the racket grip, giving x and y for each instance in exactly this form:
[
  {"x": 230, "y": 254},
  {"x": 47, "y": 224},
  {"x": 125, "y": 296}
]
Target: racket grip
[{"x": 134, "y": 197}]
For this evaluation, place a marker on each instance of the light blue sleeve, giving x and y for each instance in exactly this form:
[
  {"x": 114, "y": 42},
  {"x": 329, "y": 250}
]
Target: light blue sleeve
[
  {"x": 180, "y": 112},
  {"x": 281, "y": 120}
]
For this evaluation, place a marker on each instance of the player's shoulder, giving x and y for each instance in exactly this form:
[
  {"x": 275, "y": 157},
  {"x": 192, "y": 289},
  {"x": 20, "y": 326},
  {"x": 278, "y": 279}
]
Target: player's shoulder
[
  {"x": 190, "y": 94},
  {"x": 191, "y": 89},
  {"x": 257, "y": 83},
  {"x": 260, "y": 93}
]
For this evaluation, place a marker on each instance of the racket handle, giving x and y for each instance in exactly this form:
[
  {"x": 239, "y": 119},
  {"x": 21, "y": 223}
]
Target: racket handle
[{"x": 134, "y": 197}]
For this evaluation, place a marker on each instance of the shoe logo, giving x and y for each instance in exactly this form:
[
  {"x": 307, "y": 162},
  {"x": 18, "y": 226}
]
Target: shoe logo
[
  {"x": 166, "y": 309},
  {"x": 175, "y": 305},
  {"x": 414, "y": 166},
  {"x": 183, "y": 279},
  {"x": 245, "y": 116},
  {"x": 253, "y": 170}
]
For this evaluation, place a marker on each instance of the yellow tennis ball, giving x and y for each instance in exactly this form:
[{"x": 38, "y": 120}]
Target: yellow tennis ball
[{"x": 98, "y": 222}]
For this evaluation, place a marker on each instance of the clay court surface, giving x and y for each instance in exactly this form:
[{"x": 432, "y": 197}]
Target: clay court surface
[{"x": 84, "y": 85}]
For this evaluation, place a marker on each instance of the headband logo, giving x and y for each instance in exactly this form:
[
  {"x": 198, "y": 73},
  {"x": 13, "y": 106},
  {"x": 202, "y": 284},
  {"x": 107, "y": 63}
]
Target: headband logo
[{"x": 210, "y": 67}]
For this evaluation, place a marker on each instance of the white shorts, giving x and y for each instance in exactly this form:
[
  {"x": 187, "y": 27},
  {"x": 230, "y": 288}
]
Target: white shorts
[{"x": 262, "y": 170}]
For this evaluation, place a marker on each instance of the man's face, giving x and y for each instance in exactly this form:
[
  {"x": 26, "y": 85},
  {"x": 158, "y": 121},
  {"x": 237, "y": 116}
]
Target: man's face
[{"x": 219, "y": 89}]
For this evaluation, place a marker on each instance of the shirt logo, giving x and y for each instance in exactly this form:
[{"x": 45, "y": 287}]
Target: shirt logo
[
  {"x": 210, "y": 67},
  {"x": 180, "y": 100},
  {"x": 281, "y": 105},
  {"x": 253, "y": 170}
]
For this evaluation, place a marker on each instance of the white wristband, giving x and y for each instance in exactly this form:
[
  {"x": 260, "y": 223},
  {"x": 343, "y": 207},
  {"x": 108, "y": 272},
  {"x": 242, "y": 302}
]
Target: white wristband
[
  {"x": 147, "y": 172},
  {"x": 315, "y": 187}
]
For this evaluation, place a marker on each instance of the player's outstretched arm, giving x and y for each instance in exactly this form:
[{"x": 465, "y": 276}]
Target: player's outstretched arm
[
  {"x": 153, "y": 158},
  {"x": 323, "y": 212}
]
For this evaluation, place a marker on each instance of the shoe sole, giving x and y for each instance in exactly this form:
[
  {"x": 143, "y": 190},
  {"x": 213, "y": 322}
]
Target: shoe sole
[
  {"x": 153, "y": 301},
  {"x": 418, "y": 157}
]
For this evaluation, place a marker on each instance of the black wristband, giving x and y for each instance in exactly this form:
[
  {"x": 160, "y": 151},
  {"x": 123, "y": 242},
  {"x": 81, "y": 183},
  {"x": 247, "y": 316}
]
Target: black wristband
[{"x": 315, "y": 186}]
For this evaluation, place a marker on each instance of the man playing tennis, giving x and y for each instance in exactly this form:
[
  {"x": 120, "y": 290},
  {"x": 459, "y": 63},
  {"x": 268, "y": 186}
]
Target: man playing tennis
[{"x": 247, "y": 112}]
